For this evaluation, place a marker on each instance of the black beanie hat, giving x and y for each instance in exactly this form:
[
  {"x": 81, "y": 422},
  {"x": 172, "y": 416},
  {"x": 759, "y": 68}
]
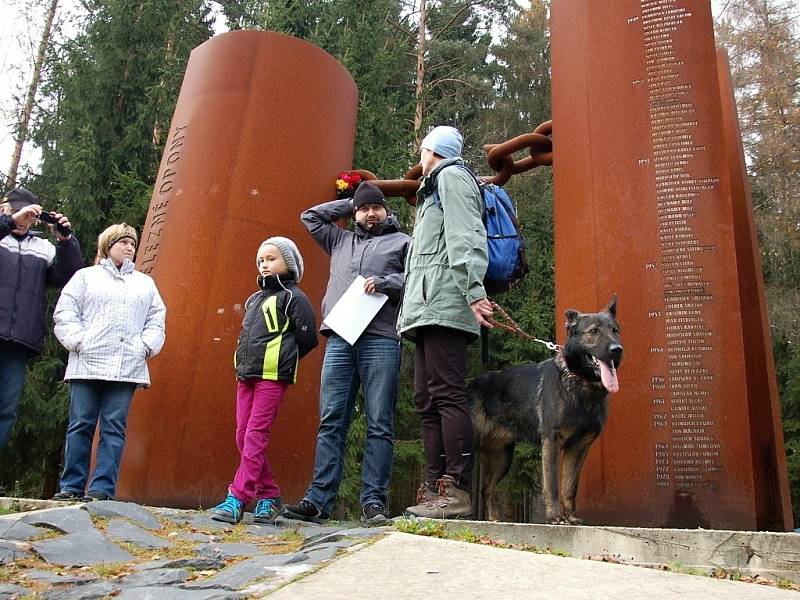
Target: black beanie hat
[
  {"x": 367, "y": 193},
  {"x": 19, "y": 198}
]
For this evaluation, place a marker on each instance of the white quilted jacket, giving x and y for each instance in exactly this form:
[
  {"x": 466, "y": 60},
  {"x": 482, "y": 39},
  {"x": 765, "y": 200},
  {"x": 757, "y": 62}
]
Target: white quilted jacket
[{"x": 111, "y": 321}]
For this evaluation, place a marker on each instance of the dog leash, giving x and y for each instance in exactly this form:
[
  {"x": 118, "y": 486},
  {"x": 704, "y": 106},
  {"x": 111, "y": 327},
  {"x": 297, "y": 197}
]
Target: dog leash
[{"x": 511, "y": 326}]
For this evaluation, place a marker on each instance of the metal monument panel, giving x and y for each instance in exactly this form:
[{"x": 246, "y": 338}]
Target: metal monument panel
[
  {"x": 643, "y": 207},
  {"x": 262, "y": 125}
]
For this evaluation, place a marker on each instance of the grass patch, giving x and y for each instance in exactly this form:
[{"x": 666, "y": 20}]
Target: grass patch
[
  {"x": 437, "y": 529},
  {"x": 108, "y": 570},
  {"x": 49, "y": 534},
  {"x": 676, "y": 566},
  {"x": 426, "y": 527},
  {"x": 786, "y": 584},
  {"x": 237, "y": 535},
  {"x": 291, "y": 535},
  {"x": 36, "y": 563}
]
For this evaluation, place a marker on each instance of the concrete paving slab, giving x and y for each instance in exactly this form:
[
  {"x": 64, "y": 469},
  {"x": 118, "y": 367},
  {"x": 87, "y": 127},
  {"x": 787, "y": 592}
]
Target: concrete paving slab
[
  {"x": 9, "y": 591},
  {"x": 403, "y": 566},
  {"x": 769, "y": 554},
  {"x": 58, "y": 578},
  {"x": 18, "y": 530},
  {"x": 171, "y": 593},
  {"x": 229, "y": 550},
  {"x": 92, "y": 591},
  {"x": 81, "y": 549},
  {"x": 198, "y": 564},
  {"x": 127, "y": 510},
  {"x": 122, "y": 530},
  {"x": 156, "y": 577},
  {"x": 264, "y": 530},
  {"x": 65, "y": 520},
  {"x": 11, "y": 550}
]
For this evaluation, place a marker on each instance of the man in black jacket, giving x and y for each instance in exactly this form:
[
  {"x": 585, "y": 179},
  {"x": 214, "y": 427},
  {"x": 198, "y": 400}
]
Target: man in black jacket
[
  {"x": 28, "y": 264},
  {"x": 376, "y": 250}
]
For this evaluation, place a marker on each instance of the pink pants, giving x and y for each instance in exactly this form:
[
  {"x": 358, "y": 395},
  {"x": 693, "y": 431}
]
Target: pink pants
[{"x": 257, "y": 402}]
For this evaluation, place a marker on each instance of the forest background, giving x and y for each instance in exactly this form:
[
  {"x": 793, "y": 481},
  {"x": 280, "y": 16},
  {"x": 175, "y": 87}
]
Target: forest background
[{"x": 109, "y": 76}]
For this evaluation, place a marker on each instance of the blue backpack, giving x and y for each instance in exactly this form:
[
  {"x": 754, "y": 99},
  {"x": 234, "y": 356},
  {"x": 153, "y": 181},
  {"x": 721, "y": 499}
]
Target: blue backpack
[{"x": 507, "y": 263}]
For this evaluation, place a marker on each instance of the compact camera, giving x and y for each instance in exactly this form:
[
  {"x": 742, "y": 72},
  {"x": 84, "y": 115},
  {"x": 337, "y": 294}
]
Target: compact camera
[{"x": 49, "y": 217}]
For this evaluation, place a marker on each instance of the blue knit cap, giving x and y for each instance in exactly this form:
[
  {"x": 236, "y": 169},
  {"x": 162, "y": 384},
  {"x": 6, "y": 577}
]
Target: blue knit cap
[{"x": 444, "y": 140}]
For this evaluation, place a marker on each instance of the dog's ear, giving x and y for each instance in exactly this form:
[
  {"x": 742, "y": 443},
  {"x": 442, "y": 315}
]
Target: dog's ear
[
  {"x": 611, "y": 307},
  {"x": 572, "y": 318}
]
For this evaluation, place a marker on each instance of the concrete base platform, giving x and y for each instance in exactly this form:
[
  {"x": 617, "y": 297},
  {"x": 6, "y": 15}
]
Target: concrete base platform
[
  {"x": 403, "y": 566},
  {"x": 18, "y": 505},
  {"x": 772, "y": 555}
]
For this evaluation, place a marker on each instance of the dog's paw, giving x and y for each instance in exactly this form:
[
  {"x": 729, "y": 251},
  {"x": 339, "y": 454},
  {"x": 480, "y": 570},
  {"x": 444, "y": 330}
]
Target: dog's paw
[
  {"x": 573, "y": 520},
  {"x": 557, "y": 520}
]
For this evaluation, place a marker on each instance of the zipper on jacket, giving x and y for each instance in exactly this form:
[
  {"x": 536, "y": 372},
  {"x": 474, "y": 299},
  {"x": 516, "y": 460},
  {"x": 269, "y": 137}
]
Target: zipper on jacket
[
  {"x": 16, "y": 291},
  {"x": 361, "y": 258},
  {"x": 246, "y": 360}
]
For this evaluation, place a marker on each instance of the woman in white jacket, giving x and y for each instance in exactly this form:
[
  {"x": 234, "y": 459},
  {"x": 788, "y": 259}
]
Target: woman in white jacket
[{"x": 111, "y": 319}]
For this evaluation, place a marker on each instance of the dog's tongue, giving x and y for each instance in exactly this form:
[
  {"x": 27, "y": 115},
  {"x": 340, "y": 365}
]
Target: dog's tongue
[{"x": 608, "y": 374}]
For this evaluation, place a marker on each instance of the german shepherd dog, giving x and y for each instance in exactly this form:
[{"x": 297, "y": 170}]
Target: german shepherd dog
[{"x": 560, "y": 404}]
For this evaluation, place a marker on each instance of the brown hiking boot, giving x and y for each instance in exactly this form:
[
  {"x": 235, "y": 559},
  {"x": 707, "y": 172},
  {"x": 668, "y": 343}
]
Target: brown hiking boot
[
  {"x": 451, "y": 503},
  {"x": 427, "y": 492}
]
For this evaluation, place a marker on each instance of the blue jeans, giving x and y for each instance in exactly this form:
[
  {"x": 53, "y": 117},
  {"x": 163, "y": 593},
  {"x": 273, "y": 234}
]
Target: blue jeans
[
  {"x": 374, "y": 362},
  {"x": 13, "y": 363},
  {"x": 92, "y": 401}
]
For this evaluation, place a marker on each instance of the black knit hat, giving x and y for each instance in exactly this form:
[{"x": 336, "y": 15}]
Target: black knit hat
[
  {"x": 19, "y": 198},
  {"x": 367, "y": 193}
]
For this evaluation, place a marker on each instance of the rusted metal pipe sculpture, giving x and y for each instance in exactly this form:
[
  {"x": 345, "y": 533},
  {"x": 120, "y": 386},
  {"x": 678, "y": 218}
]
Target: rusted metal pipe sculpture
[{"x": 500, "y": 158}]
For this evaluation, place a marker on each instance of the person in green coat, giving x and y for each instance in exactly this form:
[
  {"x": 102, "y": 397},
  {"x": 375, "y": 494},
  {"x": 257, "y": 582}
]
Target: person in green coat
[{"x": 444, "y": 306}]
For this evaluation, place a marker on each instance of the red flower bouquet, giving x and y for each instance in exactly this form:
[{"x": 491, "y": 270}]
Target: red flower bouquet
[{"x": 346, "y": 184}]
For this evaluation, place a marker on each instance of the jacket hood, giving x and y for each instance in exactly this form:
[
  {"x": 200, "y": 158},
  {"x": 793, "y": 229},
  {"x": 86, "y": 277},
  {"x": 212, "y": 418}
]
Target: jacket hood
[
  {"x": 429, "y": 181},
  {"x": 125, "y": 268},
  {"x": 390, "y": 225}
]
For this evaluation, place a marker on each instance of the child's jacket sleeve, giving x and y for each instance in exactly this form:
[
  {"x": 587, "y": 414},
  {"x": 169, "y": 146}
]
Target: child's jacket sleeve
[{"x": 305, "y": 324}]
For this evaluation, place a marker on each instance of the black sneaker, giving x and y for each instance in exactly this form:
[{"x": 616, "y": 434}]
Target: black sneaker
[
  {"x": 92, "y": 496},
  {"x": 304, "y": 511},
  {"x": 67, "y": 496},
  {"x": 373, "y": 515}
]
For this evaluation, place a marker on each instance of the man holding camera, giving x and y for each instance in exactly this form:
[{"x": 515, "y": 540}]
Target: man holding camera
[{"x": 28, "y": 264}]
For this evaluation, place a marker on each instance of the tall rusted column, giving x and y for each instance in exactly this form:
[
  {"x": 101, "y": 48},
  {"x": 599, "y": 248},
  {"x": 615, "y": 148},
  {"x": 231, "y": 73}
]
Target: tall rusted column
[
  {"x": 263, "y": 124},
  {"x": 766, "y": 431},
  {"x": 643, "y": 207}
]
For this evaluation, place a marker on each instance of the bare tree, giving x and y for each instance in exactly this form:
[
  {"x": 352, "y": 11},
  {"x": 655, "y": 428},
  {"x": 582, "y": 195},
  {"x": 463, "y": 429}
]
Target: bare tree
[
  {"x": 762, "y": 40},
  {"x": 426, "y": 74},
  {"x": 30, "y": 96}
]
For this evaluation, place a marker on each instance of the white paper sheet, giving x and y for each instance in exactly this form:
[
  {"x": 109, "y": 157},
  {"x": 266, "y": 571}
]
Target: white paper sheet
[{"x": 355, "y": 310}]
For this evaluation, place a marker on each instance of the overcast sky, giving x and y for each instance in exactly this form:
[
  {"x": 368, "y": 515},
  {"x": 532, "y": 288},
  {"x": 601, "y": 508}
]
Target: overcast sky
[{"x": 21, "y": 22}]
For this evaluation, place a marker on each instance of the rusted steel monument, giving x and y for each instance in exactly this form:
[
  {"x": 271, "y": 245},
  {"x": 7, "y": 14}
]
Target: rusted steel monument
[
  {"x": 255, "y": 110},
  {"x": 651, "y": 201}
]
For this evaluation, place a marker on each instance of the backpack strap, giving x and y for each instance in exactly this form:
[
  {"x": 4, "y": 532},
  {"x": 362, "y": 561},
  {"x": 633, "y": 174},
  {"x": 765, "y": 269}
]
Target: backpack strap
[{"x": 438, "y": 200}]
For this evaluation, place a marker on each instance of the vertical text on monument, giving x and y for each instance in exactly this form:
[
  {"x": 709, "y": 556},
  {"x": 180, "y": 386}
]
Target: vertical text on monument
[
  {"x": 687, "y": 447},
  {"x": 157, "y": 214}
]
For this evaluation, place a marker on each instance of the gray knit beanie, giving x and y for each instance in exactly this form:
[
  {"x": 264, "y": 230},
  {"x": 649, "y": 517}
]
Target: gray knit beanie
[{"x": 290, "y": 254}]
